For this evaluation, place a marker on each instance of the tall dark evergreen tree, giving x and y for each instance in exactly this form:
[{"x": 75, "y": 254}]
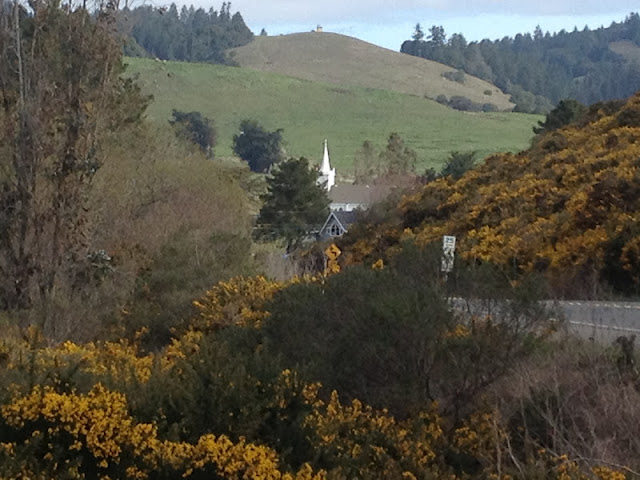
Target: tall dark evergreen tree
[
  {"x": 190, "y": 35},
  {"x": 567, "y": 111},
  {"x": 539, "y": 70},
  {"x": 418, "y": 34},
  {"x": 458, "y": 163},
  {"x": 260, "y": 148},
  {"x": 195, "y": 128},
  {"x": 294, "y": 204}
]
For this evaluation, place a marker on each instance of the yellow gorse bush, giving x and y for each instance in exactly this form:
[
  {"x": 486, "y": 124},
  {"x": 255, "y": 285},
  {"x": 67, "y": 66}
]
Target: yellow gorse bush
[
  {"x": 97, "y": 428},
  {"x": 238, "y": 301},
  {"x": 558, "y": 206},
  {"x": 366, "y": 443}
]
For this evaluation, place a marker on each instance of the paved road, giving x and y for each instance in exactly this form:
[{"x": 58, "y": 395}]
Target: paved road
[{"x": 602, "y": 321}]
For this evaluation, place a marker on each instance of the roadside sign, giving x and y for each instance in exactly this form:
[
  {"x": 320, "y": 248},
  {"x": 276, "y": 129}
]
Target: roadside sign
[
  {"x": 448, "y": 253},
  {"x": 332, "y": 252}
]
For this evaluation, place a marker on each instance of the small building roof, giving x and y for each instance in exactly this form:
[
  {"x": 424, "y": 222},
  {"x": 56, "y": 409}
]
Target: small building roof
[
  {"x": 360, "y": 194},
  {"x": 346, "y": 218}
]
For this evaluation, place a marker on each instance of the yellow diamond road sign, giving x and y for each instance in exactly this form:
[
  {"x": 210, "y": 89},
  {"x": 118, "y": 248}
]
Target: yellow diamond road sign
[{"x": 332, "y": 251}]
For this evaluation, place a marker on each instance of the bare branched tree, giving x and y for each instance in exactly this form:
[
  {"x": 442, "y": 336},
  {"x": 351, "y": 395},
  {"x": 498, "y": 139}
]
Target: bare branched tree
[{"x": 61, "y": 93}]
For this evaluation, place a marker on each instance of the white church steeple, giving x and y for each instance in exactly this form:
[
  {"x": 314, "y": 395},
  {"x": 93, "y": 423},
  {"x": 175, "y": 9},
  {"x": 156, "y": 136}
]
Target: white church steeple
[{"x": 327, "y": 174}]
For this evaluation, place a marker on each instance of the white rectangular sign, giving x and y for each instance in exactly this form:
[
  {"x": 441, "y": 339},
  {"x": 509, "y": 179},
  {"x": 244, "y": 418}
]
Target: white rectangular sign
[{"x": 448, "y": 253}]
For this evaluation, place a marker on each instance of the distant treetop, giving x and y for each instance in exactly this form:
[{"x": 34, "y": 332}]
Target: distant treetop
[
  {"x": 189, "y": 34},
  {"x": 541, "y": 69}
]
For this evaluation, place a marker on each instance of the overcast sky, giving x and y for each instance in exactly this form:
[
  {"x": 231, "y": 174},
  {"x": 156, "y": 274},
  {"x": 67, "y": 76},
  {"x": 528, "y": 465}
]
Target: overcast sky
[{"x": 389, "y": 22}]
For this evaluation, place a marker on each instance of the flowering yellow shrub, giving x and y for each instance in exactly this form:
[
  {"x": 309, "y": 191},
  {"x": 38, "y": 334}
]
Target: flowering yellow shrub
[
  {"x": 240, "y": 301},
  {"x": 95, "y": 432},
  {"x": 568, "y": 205},
  {"x": 118, "y": 360},
  {"x": 236, "y": 302},
  {"x": 181, "y": 348},
  {"x": 364, "y": 443},
  {"x": 484, "y": 437}
]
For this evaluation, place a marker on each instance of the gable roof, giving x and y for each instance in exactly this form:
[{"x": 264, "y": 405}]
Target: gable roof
[
  {"x": 344, "y": 219},
  {"x": 360, "y": 194}
]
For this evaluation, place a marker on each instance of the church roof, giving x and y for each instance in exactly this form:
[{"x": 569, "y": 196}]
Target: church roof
[
  {"x": 343, "y": 219},
  {"x": 360, "y": 194},
  {"x": 346, "y": 218}
]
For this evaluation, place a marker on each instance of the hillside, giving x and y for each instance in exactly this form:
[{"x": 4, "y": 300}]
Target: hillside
[
  {"x": 568, "y": 207},
  {"x": 540, "y": 69},
  {"x": 309, "y": 112},
  {"x": 627, "y": 49},
  {"x": 338, "y": 59}
]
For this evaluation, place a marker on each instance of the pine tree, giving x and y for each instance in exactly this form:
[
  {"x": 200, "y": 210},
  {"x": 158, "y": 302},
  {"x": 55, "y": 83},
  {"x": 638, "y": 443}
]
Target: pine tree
[
  {"x": 260, "y": 148},
  {"x": 458, "y": 163},
  {"x": 418, "y": 33},
  {"x": 294, "y": 204}
]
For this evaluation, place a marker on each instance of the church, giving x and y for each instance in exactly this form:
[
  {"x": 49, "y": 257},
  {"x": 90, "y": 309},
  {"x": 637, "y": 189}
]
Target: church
[{"x": 346, "y": 199}]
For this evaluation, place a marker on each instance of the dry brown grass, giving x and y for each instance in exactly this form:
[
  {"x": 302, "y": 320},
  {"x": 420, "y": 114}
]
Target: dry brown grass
[
  {"x": 338, "y": 59},
  {"x": 577, "y": 399}
]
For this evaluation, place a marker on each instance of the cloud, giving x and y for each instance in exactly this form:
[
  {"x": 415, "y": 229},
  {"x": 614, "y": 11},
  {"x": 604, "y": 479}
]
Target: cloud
[{"x": 314, "y": 11}]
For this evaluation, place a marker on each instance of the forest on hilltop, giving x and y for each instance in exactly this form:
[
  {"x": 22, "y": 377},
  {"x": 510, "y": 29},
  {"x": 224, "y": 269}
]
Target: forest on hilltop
[
  {"x": 540, "y": 69},
  {"x": 192, "y": 35}
]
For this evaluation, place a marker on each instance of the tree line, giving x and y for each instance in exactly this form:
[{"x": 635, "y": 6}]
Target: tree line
[
  {"x": 540, "y": 69},
  {"x": 190, "y": 34}
]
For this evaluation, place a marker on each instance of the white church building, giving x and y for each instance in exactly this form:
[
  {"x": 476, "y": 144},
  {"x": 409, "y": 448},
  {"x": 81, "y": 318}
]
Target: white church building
[{"x": 346, "y": 199}]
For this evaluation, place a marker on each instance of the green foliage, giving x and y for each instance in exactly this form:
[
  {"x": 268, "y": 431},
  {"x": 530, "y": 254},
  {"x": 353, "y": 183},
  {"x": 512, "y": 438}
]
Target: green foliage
[
  {"x": 182, "y": 270},
  {"x": 566, "y": 112},
  {"x": 458, "y": 102},
  {"x": 389, "y": 338},
  {"x": 437, "y": 36},
  {"x": 260, "y": 148},
  {"x": 195, "y": 128},
  {"x": 457, "y": 164},
  {"x": 170, "y": 227},
  {"x": 397, "y": 158},
  {"x": 347, "y": 115},
  {"x": 455, "y": 76},
  {"x": 429, "y": 175},
  {"x": 539, "y": 70},
  {"x": 365, "y": 163},
  {"x": 62, "y": 97},
  {"x": 418, "y": 33},
  {"x": 294, "y": 204},
  {"x": 189, "y": 35}
]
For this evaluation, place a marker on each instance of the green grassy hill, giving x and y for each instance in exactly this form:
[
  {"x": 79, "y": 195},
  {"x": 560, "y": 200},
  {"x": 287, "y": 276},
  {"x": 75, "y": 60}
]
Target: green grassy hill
[
  {"x": 309, "y": 112},
  {"x": 338, "y": 59}
]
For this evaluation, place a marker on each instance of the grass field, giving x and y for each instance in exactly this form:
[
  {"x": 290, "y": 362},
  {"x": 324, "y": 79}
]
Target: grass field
[
  {"x": 309, "y": 112},
  {"x": 339, "y": 59}
]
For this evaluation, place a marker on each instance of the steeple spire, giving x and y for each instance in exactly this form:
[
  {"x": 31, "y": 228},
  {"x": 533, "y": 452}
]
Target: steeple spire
[{"x": 327, "y": 174}]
